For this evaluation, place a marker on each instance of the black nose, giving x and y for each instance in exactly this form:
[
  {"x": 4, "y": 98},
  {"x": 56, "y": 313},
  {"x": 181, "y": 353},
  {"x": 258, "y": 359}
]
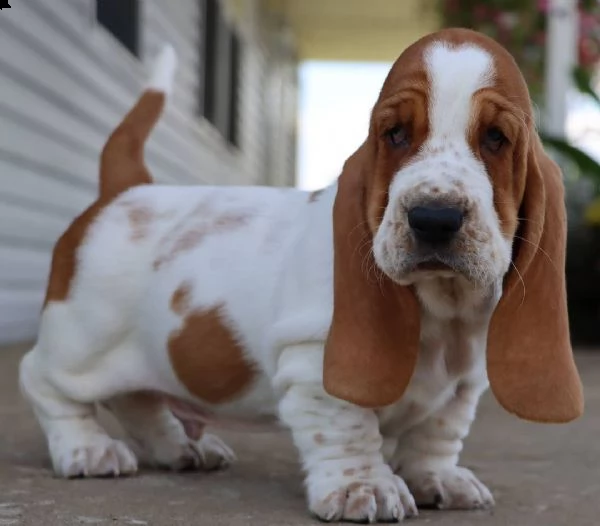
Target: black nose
[{"x": 435, "y": 224}]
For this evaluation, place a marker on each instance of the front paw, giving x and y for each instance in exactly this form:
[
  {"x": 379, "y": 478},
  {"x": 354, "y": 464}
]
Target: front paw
[
  {"x": 348, "y": 496},
  {"x": 452, "y": 488}
]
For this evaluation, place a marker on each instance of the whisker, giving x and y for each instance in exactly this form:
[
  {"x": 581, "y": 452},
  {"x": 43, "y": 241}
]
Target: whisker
[
  {"x": 522, "y": 283},
  {"x": 540, "y": 249}
]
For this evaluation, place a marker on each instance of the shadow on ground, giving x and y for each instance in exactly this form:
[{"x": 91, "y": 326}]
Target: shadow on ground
[{"x": 540, "y": 475}]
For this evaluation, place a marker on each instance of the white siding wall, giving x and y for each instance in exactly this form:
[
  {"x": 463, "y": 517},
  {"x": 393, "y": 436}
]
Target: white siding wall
[{"x": 65, "y": 82}]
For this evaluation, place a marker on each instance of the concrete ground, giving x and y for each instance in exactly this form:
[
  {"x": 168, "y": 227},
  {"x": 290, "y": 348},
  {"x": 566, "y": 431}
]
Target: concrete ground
[{"x": 540, "y": 475}]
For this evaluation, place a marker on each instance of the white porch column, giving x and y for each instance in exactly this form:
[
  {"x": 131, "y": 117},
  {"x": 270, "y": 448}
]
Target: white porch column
[{"x": 561, "y": 57}]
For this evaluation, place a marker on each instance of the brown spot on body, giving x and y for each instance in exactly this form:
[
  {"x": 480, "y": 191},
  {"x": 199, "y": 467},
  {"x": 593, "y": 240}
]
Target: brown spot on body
[
  {"x": 64, "y": 258},
  {"x": 208, "y": 359},
  {"x": 349, "y": 472},
  {"x": 181, "y": 299},
  {"x": 195, "y": 234},
  {"x": 140, "y": 218},
  {"x": 184, "y": 243},
  {"x": 319, "y": 438}
]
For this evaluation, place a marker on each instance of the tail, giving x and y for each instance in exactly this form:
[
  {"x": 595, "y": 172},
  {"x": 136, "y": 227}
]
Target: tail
[{"x": 122, "y": 162}]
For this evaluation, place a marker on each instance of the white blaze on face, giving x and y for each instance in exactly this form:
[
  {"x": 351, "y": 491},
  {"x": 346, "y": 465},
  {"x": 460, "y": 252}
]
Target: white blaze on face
[{"x": 455, "y": 75}]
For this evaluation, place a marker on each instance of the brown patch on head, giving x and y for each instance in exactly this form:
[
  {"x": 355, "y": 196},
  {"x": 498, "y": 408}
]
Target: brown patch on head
[
  {"x": 314, "y": 196},
  {"x": 349, "y": 472},
  {"x": 319, "y": 438},
  {"x": 121, "y": 168},
  {"x": 181, "y": 299},
  {"x": 506, "y": 167},
  {"x": 407, "y": 108},
  {"x": 208, "y": 359}
]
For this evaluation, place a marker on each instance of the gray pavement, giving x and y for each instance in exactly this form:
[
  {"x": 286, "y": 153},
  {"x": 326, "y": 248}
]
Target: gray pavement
[{"x": 540, "y": 475}]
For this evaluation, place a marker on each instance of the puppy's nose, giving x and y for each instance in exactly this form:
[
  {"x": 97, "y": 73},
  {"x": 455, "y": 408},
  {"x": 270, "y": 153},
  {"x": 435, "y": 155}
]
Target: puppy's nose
[{"x": 435, "y": 224}]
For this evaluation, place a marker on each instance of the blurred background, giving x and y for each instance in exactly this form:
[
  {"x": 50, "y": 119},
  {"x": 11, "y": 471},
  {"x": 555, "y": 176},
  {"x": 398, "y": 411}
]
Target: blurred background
[{"x": 274, "y": 92}]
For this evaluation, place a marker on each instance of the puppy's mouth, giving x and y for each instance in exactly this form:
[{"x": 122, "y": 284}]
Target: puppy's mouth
[
  {"x": 417, "y": 268},
  {"x": 433, "y": 266},
  {"x": 436, "y": 264}
]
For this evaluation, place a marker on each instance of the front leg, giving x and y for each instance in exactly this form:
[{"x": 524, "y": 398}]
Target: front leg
[
  {"x": 340, "y": 446},
  {"x": 427, "y": 457}
]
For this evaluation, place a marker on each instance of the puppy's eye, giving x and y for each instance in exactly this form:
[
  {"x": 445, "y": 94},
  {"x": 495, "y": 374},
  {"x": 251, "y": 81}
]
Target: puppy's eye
[
  {"x": 398, "y": 136},
  {"x": 494, "y": 139}
]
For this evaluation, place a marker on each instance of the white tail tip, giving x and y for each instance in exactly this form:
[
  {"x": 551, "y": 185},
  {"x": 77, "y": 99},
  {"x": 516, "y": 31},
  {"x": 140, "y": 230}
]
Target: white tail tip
[{"x": 163, "y": 71}]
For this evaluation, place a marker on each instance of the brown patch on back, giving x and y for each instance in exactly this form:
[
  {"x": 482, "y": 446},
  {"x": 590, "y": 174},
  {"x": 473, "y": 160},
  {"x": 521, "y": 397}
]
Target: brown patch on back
[
  {"x": 140, "y": 218},
  {"x": 184, "y": 243},
  {"x": 207, "y": 358},
  {"x": 64, "y": 258},
  {"x": 193, "y": 236}
]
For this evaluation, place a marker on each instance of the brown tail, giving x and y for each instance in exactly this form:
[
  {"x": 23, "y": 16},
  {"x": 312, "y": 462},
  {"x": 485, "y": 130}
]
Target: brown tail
[{"x": 122, "y": 162}]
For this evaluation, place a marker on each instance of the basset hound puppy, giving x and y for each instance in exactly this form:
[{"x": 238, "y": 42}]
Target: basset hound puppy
[{"x": 369, "y": 316}]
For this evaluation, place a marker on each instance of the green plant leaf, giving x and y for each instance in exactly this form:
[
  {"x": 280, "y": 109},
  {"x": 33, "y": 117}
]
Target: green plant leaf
[
  {"x": 588, "y": 5},
  {"x": 589, "y": 166},
  {"x": 583, "y": 82}
]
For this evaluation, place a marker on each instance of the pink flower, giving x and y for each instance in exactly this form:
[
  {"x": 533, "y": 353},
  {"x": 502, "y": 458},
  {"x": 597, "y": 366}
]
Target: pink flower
[
  {"x": 543, "y": 5},
  {"x": 507, "y": 20}
]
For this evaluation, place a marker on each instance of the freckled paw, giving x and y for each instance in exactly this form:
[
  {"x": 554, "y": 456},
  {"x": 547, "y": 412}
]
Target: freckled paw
[
  {"x": 382, "y": 499},
  {"x": 98, "y": 456},
  {"x": 454, "y": 488}
]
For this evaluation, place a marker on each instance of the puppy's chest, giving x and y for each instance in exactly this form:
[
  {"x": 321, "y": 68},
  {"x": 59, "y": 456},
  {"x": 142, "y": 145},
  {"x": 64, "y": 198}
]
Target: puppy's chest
[{"x": 451, "y": 351}]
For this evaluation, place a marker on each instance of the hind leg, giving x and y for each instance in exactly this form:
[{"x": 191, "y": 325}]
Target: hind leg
[
  {"x": 78, "y": 445},
  {"x": 162, "y": 439}
]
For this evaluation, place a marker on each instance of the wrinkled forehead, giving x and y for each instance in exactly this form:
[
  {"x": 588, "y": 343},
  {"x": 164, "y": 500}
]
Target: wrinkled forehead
[{"x": 451, "y": 66}]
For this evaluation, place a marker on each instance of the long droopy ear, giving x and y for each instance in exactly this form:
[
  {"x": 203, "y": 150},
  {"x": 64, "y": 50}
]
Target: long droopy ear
[
  {"x": 372, "y": 346},
  {"x": 529, "y": 358}
]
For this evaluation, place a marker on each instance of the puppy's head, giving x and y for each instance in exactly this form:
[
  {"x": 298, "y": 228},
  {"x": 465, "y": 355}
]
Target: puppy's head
[{"x": 452, "y": 181}]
